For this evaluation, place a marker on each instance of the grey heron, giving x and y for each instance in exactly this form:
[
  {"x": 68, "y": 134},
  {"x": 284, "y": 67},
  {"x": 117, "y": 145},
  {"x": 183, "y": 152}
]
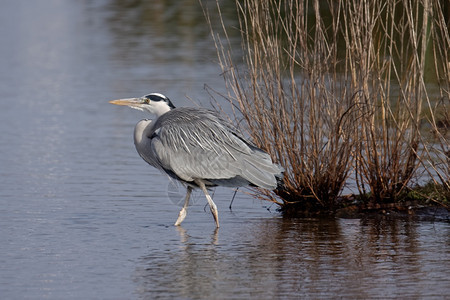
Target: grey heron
[{"x": 199, "y": 148}]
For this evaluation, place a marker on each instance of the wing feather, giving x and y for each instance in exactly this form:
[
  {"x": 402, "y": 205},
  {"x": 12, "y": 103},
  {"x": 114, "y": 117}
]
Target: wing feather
[{"x": 198, "y": 144}]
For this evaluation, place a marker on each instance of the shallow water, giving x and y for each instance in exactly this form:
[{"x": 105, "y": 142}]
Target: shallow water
[{"x": 83, "y": 217}]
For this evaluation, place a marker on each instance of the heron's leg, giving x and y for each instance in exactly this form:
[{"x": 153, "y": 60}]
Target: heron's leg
[
  {"x": 211, "y": 203},
  {"x": 183, "y": 210}
]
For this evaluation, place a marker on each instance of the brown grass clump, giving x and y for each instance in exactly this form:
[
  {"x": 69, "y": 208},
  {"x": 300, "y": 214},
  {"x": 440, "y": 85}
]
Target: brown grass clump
[{"x": 336, "y": 92}]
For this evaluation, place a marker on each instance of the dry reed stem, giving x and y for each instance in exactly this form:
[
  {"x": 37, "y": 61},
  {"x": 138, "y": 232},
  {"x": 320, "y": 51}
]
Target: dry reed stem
[{"x": 330, "y": 98}]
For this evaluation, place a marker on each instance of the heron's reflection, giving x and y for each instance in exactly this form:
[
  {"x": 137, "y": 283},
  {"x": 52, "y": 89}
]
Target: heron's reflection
[
  {"x": 308, "y": 254},
  {"x": 185, "y": 238},
  {"x": 189, "y": 270}
]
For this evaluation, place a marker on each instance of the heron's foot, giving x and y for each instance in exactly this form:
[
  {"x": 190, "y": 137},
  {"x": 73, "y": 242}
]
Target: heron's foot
[
  {"x": 211, "y": 203},
  {"x": 215, "y": 214},
  {"x": 181, "y": 216}
]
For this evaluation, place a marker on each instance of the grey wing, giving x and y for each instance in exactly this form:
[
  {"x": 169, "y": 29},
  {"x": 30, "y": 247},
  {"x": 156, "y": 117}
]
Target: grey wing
[{"x": 199, "y": 145}]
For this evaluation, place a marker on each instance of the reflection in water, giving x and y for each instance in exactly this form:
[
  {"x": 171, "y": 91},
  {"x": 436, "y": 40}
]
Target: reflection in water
[
  {"x": 184, "y": 237},
  {"x": 166, "y": 46},
  {"x": 188, "y": 271},
  {"x": 302, "y": 257}
]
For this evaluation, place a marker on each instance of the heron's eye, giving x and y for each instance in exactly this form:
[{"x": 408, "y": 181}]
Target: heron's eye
[{"x": 146, "y": 100}]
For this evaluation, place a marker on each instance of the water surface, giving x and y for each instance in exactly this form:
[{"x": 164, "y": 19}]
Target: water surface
[{"x": 83, "y": 217}]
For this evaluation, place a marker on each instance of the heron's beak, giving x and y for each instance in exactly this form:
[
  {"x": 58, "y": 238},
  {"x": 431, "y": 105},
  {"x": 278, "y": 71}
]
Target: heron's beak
[{"x": 131, "y": 102}]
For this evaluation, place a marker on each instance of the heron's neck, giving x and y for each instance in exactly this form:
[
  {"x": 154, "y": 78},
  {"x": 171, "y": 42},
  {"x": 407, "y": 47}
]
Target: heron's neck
[
  {"x": 143, "y": 127},
  {"x": 159, "y": 108}
]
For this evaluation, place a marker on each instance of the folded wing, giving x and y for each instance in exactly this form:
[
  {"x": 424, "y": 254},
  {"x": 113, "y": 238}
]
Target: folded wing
[{"x": 198, "y": 144}]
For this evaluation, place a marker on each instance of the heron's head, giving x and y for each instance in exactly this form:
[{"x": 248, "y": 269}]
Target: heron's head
[{"x": 154, "y": 103}]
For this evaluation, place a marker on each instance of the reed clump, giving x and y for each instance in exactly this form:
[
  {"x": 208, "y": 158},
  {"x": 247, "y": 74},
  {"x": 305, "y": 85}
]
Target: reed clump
[{"x": 337, "y": 92}]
